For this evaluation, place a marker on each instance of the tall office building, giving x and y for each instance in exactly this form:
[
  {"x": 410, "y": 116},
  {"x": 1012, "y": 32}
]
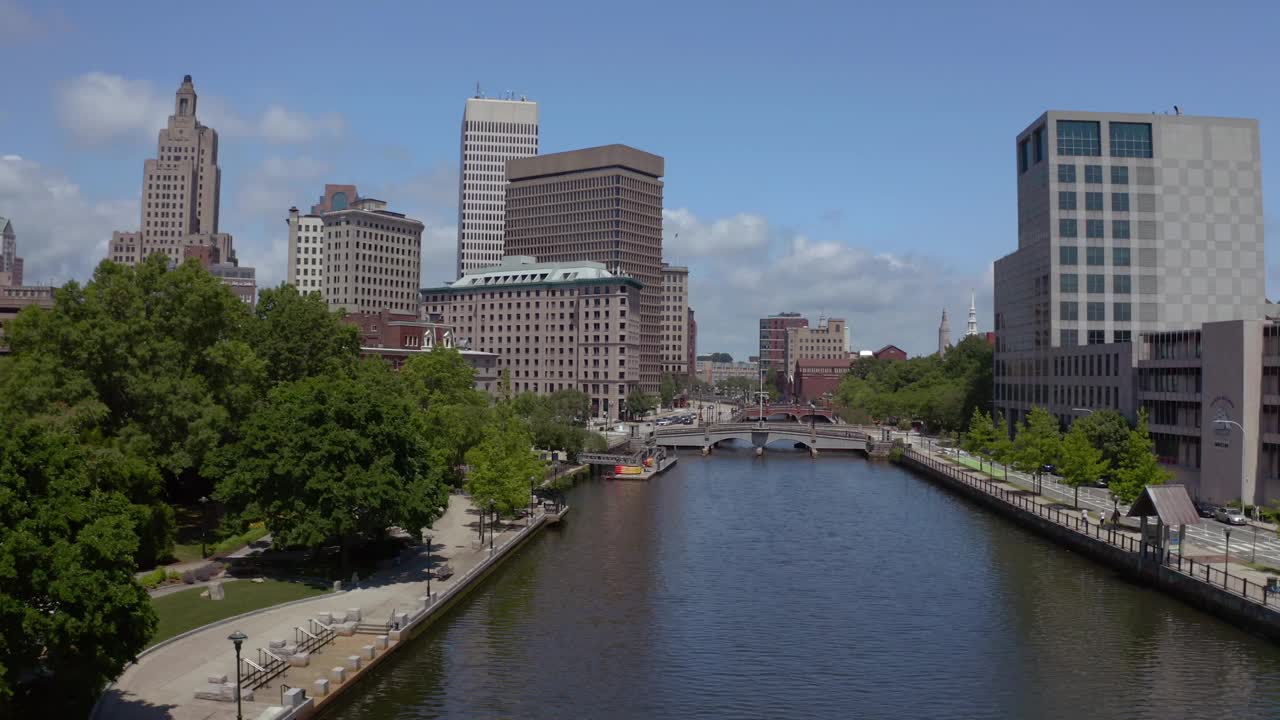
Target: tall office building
[
  {"x": 493, "y": 132},
  {"x": 773, "y": 340},
  {"x": 675, "y": 319},
  {"x": 306, "y": 237},
  {"x": 554, "y": 326},
  {"x": 691, "y": 357},
  {"x": 372, "y": 258},
  {"x": 180, "y": 195},
  {"x": 1127, "y": 224},
  {"x": 603, "y": 205}
]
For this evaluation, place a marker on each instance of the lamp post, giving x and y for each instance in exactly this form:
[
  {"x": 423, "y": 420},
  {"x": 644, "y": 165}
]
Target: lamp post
[
  {"x": 492, "y": 511},
  {"x": 429, "y": 538},
  {"x": 204, "y": 524},
  {"x": 1224, "y": 422},
  {"x": 238, "y": 638},
  {"x": 1226, "y": 558}
]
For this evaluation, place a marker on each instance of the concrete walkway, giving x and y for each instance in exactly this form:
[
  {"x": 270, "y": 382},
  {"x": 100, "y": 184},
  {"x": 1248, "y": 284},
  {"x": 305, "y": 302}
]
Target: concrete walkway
[{"x": 162, "y": 684}]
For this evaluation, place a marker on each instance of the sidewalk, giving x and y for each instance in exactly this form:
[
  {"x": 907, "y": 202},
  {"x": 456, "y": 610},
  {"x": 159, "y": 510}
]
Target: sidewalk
[{"x": 162, "y": 684}]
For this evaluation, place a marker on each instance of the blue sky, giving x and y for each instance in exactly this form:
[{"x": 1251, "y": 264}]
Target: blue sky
[{"x": 848, "y": 158}]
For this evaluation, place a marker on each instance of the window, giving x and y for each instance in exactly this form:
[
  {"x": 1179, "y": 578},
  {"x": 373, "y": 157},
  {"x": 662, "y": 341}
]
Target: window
[
  {"x": 1068, "y": 255},
  {"x": 1122, "y": 312},
  {"x": 1094, "y": 229},
  {"x": 1120, "y": 256},
  {"x": 1093, "y": 174},
  {"x": 1121, "y": 284},
  {"x": 1068, "y": 311},
  {"x": 1130, "y": 139},
  {"x": 1122, "y": 336},
  {"x": 1080, "y": 137},
  {"x": 1066, "y": 200},
  {"x": 1096, "y": 256},
  {"x": 1068, "y": 338},
  {"x": 1067, "y": 227},
  {"x": 1066, "y": 173},
  {"x": 1097, "y": 337},
  {"x": 1096, "y": 311},
  {"x": 1068, "y": 283},
  {"x": 1120, "y": 229},
  {"x": 1097, "y": 284},
  {"x": 1093, "y": 201},
  {"x": 1039, "y": 144},
  {"x": 1119, "y": 175},
  {"x": 1120, "y": 202}
]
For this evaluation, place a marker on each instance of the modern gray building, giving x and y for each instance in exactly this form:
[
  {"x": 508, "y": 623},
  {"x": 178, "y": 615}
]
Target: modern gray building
[{"x": 1127, "y": 224}]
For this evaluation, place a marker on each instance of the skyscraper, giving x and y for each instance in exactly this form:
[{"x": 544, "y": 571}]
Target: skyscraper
[
  {"x": 181, "y": 189},
  {"x": 493, "y": 132},
  {"x": 1127, "y": 224},
  {"x": 306, "y": 237},
  {"x": 371, "y": 258},
  {"x": 603, "y": 205},
  {"x": 675, "y": 319},
  {"x": 773, "y": 341}
]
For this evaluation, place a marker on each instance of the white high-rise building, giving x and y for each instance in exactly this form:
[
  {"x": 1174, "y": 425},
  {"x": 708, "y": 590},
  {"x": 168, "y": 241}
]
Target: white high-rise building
[
  {"x": 493, "y": 132},
  {"x": 306, "y": 251}
]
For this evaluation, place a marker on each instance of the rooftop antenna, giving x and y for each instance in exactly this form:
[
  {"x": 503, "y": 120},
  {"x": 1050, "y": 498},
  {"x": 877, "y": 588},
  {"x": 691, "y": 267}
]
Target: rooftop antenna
[
  {"x": 1177, "y": 110},
  {"x": 478, "y": 93}
]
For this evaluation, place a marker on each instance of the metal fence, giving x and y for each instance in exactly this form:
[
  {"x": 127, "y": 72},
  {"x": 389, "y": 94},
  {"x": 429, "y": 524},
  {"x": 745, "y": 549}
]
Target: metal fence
[{"x": 1266, "y": 595}]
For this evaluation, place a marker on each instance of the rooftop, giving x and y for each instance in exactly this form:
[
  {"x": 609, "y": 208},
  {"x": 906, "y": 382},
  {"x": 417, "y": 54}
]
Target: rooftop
[
  {"x": 525, "y": 270},
  {"x": 605, "y": 156}
]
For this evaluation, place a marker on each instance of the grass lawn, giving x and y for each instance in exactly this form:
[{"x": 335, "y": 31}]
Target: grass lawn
[{"x": 186, "y": 610}]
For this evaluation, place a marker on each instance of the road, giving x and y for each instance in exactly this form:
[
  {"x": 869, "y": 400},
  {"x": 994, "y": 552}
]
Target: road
[{"x": 1209, "y": 534}]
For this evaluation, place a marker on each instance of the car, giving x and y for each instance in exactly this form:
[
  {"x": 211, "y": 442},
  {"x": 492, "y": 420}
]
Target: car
[
  {"x": 1050, "y": 469},
  {"x": 664, "y": 422},
  {"x": 1206, "y": 510},
  {"x": 1230, "y": 516}
]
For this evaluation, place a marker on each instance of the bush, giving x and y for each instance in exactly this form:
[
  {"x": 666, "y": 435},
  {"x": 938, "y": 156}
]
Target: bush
[
  {"x": 896, "y": 453},
  {"x": 153, "y": 579},
  {"x": 189, "y": 577}
]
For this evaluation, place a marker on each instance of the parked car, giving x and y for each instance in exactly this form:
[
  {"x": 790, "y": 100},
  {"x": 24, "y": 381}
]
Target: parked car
[
  {"x": 1230, "y": 516},
  {"x": 1050, "y": 469},
  {"x": 664, "y": 422},
  {"x": 1206, "y": 510}
]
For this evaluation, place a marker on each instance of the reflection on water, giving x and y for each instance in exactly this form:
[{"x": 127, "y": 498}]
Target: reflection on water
[{"x": 785, "y": 587}]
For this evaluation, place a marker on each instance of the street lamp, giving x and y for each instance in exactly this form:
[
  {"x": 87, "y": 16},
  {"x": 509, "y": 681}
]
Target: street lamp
[
  {"x": 238, "y": 638},
  {"x": 1226, "y": 559},
  {"x": 1243, "y": 479},
  {"x": 492, "y": 512},
  {"x": 204, "y": 524},
  {"x": 429, "y": 537}
]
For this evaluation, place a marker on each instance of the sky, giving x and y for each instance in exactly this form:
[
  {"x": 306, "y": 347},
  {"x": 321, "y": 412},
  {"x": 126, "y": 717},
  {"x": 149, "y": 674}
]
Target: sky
[{"x": 846, "y": 159}]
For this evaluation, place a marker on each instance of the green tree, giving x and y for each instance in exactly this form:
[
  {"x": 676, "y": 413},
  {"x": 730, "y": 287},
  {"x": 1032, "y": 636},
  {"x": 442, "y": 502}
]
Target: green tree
[
  {"x": 504, "y": 386},
  {"x": 1037, "y": 444},
  {"x": 640, "y": 403},
  {"x": 1138, "y": 466},
  {"x": 71, "y": 615},
  {"x": 503, "y": 466},
  {"x": 1081, "y": 462},
  {"x": 981, "y": 436},
  {"x": 441, "y": 375},
  {"x": 297, "y": 335},
  {"x": 667, "y": 389},
  {"x": 721, "y": 357},
  {"x": 1108, "y": 431},
  {"x": 332, "y": 456}
]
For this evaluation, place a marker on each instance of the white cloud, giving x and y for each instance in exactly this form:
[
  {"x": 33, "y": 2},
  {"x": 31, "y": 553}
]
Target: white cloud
[
  {"x": 99, "y": 107},
  {"x": 685, "y": 236},
  {"x": 277, "y": 184},
  {"x": 62, "y": 235},
  {"x": 886, "y": 297}
]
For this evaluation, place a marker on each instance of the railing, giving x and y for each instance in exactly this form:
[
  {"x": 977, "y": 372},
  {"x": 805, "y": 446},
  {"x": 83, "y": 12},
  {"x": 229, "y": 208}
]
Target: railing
[
  {"x": 268, "y": 667},
  {"x": 1265, "y": 595},
  {"x": 318, "y": 636}
]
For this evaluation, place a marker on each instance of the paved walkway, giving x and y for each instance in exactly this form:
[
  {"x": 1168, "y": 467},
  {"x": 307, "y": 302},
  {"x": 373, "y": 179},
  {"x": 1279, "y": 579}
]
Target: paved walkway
[{"x": 162, "y": 684}]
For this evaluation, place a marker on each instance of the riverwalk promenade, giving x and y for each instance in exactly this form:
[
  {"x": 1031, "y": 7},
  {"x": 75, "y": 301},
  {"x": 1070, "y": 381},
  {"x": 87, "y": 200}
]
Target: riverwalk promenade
[{"x": 164, "y": 681}]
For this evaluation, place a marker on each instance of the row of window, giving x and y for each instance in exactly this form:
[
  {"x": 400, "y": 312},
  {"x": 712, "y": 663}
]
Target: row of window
[
  {"x": 1096, "y": 255},
  {"x": 1093, "y": 201},
  {"x": 1094, "y": 228},
  {"x": 1084, "y": 138},
  {"x": 1096, "y": 284},
  {"x": 1093, "y": 174},
  {"x": 1096, "y": 311}
]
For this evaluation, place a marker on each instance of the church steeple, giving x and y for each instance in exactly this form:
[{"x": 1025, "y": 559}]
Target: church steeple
[
  {"x": 972, "y": 329},
  {"x": 944, "y": 334},
  {"x": 184, "y": 101}
]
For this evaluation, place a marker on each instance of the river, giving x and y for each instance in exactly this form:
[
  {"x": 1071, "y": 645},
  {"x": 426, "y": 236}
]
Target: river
[{"x": 786, "y": 587}]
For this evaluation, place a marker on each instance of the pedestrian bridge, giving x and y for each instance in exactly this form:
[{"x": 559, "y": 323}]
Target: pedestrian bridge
[{"x": 838, "y": 437}]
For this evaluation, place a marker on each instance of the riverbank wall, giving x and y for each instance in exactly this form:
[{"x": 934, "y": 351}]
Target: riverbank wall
[{"x": 1132, "y": 559}]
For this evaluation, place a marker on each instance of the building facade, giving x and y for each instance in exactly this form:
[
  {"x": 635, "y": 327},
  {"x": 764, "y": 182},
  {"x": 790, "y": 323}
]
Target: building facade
[
  {"x": 773, "y": 340},
  {"x": 306, "y": 251},
  {"x": 713, "y": 372},
  {"x": 692, "y": 333},
  {"x": 675, "y": 320},
  {"x": 890, "y": 352},
  {"x": 493, "y": 132},
  {"x": 396, "y": 337},
  {"x": 818, "y": 379},
  {"x": 1212, "y": 396},
  {"x": 600, "y": 205},
  {"x": 829, "y": 340},
  {"x": 553, "y": 326},
  {"x": 371, "y": 259},
  {"x": 1127, "y": 224},
  {"x": 181, "y": 189}
]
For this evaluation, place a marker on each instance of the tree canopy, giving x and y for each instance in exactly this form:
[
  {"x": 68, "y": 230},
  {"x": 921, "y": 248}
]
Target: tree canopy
[
  {"x": 503, "y": 467},
  {"x": 1080, "y": 462},
  {"x": 1037, "y": 444},
  {"x": 1137, "y": 467}
]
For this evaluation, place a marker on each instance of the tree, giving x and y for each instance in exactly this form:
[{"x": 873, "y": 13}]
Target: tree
[
  {"x": 1138, "y": 466},
  {"x": 71, "y": 616},
  {"x": 1107, "y": 431},
  {"x": 1081, "y": 462},
  {"x": 1037, "y": 444},
  {"x": 503, "y": 466},
  {"x": 504, "y": 386},
  {"x": 981, "y": 436},
  {"x": 332, "y": 456},
  {"x": 441, "y": 375},
  {"x": 297, "y": 335},
  {"x": 639, "y": 403},
  {"x": 667, "y": 389},
  {"x": 720, "y": 357}
]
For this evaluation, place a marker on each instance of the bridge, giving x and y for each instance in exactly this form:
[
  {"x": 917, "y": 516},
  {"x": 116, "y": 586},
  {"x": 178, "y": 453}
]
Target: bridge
[
  {"x": 802, "y": 413},
  {"x": 817, "y": 437}
]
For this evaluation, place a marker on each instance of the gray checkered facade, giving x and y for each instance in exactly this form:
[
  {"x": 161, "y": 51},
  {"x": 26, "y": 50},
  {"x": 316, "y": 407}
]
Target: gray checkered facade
[{"x": 1113, "y": 244}]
